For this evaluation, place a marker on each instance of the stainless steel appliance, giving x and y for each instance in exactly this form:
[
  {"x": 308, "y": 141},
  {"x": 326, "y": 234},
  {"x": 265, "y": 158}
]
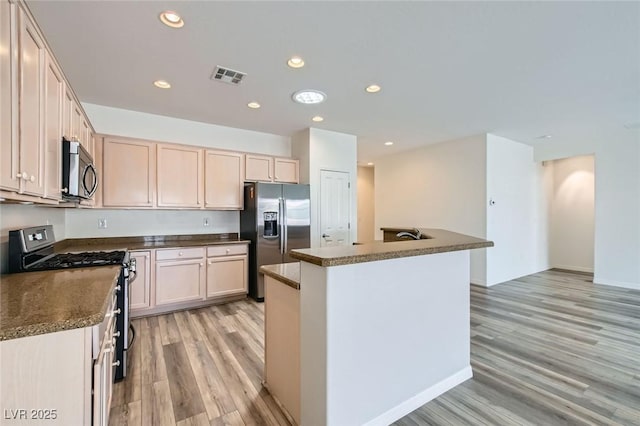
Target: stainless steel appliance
[
  {"x": 32, "y": 249},
  {"x": 79, "y": 177},
  {"x": 276, "y": 219}
]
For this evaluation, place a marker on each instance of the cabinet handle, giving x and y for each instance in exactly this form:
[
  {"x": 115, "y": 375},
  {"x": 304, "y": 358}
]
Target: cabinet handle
[
  {"x": 116, "y": 311},
  {"x": 116, "y": 334},
  {"x": 180, "y": 254},
  {"x": 19, "y": 176},
  {"x": 228, "y": 251},
  {"x": 24, "y": 175},
  {"x": 64, "y": 190},
  {"x": 209, "y": 263},
  {"x": 116, "y": 364},
  {"x": 33, "y": 178},
  {"x": 117, "y": 289},
  {"x": 201, "y": 264}
]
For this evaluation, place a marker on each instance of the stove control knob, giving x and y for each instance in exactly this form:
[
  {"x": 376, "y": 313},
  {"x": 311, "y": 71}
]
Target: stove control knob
[
  {"x": 116, "y": 311},
  {"x": 116, "y": 364},
  {"x": 118, "y": 288},
  {"x": 116, "y": 334}
]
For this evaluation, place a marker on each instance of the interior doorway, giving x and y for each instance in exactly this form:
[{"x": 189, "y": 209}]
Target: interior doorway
[
  {"x": 572, "y": 213},
  {"x": 335, "y": 212}
]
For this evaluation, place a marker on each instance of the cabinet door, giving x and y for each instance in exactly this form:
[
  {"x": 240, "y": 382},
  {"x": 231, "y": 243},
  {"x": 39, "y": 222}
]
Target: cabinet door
[
  {"x": 224, "y": 180},
  {"x": 286, "y": 170},
  {"x": 85, "y": 135},
  {"x": 226, "y": 275},
  {"x": 54, "y": 93},
  {"x": 141, "y": 286},
  {"x": 180, "y": 178},
  {"x": 128, "y": 173},
  {"x": 102, "y": 381},
  {"x": 31, "y": 54},
  {"x": 9, "y": 178},
  {"x": 76, "y": 123},
  {"x": 179, "y": 281},
  {"x": 258, "y": 167}
]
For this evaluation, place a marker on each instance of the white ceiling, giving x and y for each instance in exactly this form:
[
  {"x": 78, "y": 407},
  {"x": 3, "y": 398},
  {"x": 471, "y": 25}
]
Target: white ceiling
[{"x": 447, "y": 69}]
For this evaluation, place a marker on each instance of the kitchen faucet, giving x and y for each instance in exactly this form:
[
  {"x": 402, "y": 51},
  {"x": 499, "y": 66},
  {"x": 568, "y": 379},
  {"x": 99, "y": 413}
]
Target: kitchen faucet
[{"x": 416, "y": 235}]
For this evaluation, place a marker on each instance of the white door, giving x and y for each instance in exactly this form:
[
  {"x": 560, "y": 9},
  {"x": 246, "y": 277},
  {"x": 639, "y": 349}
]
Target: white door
[{"x": 335, "y": 202}]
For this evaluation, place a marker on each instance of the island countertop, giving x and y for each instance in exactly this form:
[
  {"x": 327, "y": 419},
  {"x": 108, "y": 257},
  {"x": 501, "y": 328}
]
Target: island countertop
[
  {"x": 287, "y": 273},
  {"x": 33, "y": 303},
  {"x": 436, "y": 241}
]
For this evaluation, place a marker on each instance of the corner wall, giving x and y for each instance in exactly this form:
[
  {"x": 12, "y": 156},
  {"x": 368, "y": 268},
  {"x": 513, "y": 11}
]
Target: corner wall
[
  {"x": 366, "y": 204},
  {"x": 517, "y": 222}
]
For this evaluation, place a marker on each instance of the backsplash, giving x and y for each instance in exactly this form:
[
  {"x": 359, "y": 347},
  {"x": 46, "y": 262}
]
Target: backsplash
[{"x": 83, "y": 223}]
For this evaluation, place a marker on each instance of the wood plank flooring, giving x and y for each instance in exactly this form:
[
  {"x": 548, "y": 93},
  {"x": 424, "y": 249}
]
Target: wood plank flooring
[{"x": 546, "y": 349}]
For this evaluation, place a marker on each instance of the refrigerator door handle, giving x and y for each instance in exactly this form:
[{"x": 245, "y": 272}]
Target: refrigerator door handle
[
  {"x": 285, "y": 225},
  {"x": 282, "y": 223}
]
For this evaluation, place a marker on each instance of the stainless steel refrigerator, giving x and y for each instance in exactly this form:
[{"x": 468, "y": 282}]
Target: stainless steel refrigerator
[{"x": 276, "y": 219}]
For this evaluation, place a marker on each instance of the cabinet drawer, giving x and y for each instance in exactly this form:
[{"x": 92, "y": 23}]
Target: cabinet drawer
[
  {"x": 180, "y": 253},
  {"x": 230, "y": 250}
]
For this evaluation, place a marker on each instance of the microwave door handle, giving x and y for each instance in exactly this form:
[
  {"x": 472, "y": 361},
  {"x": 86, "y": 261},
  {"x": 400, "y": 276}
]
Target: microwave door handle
[{"x": 94, "y": 187}]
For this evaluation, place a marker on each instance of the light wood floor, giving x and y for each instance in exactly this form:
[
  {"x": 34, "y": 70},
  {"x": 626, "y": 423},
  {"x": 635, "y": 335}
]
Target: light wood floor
[{"x": 547, "y": 349}]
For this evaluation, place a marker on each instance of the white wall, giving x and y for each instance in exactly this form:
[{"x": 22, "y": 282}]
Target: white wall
[
  {"x": 437, "y": 186},
  {"x": 571, "y": 233},
  {"x": 617, "y": 204},
  {"x": 366, "y": 204},
  {"x": 14, "y": 216},
  {"x": 517, "y": 222},
  {"x": 326, "y": 150},
  {"x": 121, "y": 122},
  {"x": 83, "y": 223}
]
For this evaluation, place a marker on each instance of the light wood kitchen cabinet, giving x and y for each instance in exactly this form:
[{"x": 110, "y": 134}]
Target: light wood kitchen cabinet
[
  {"x": 54, "y": 93},
  {"x": 180, "y": 177},
  {"x": 129, "y": 170},
  {"x": 178, "y": 280},
  {"x": 140, "y": 298},
  {"x": 269, "y": 169},
  {"x": 227, "y": 270},
  {"x": 258, "y": 168},
  {"x": 31, "y": 54},
  {"x": 9, "y": 173},
  {"x": 224, "y": 175},
  {"x": 286, "y": 170}
]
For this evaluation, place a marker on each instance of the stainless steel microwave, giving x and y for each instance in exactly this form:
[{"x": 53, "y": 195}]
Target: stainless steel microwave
[{"x": 79, "y": 177}]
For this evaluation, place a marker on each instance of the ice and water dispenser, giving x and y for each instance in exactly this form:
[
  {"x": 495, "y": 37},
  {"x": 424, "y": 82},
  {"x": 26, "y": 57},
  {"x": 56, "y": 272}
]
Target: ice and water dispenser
[{"x": 270, "y": 224}]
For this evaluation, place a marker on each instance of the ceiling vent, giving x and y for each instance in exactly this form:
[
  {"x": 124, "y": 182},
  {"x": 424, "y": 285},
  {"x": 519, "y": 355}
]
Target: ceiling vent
[{"x": 227, "y": 75}]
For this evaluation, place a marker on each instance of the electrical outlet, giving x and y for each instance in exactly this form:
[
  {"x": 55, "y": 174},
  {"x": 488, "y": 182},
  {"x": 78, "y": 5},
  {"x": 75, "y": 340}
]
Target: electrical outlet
[
  {"x": 205, "y": 221},
  {"x": 102, "y": 223}
]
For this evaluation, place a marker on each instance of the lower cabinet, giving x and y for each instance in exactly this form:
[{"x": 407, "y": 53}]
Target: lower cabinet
[
  {"x": 170, "y": 279},
  {"x": 179, "y": 280}
]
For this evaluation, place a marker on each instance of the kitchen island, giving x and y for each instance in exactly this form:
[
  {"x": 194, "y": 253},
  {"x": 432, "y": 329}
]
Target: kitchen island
[{"x": 384, "y": 327}]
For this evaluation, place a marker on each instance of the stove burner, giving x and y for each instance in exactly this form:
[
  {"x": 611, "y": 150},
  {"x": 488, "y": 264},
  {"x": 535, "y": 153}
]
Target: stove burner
[{"x": 80, "y": 260}]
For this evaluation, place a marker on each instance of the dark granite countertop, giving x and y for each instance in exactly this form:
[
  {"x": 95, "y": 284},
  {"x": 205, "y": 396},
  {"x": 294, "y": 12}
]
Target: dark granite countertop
[
  {"x": 146, "y": 242},
  {"x": 287, "y": 273},
  {"x": 33, "y": 303},
  {"x": 41, "y": 302},
  {"x": 437, "y": 241}
]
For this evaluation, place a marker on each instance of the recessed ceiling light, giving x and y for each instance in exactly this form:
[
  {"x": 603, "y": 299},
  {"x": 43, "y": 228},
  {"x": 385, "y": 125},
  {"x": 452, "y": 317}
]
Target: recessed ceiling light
[
  {"x": 373, "y": 88},
  {"x": 296, "y": 62},
  {"x": 253, "y": 105},
  {"x": 317, "y": 119},
  {"x": 162, "y": 84},
  {"x": 544, "y": 137},
  {"x": 388, "y": 143},
  {"x": 308, "y": 96},
  {"x": 369, "y": 164},
  {"x": 171, "y": 19}
]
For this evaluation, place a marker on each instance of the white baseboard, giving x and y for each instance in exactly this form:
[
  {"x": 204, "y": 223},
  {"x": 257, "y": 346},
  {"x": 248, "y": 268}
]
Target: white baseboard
[
  {"x": 422, "y": 398},
  {"x": 573, "y": 268},
  {"x": 632, "y": 286}
]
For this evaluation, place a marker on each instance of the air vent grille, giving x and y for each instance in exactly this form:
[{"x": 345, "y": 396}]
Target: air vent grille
[{"x": 227, "y": 75}]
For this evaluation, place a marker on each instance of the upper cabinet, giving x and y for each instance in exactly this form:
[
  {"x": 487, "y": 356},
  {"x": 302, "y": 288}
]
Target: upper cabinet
[
  {"x": 180, "y": 177},
  {"x": 54, "y": 94},
  {"x": 270, "y": 169},
  {"x": 9, "y": 177},
  {"x": 31, "y": 57},
  {"x": 129, "y": 170},
  {"x": 224, "y": 173}
]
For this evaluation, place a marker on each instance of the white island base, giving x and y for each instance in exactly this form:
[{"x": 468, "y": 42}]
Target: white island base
[{"x": 380, "y": 339}]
